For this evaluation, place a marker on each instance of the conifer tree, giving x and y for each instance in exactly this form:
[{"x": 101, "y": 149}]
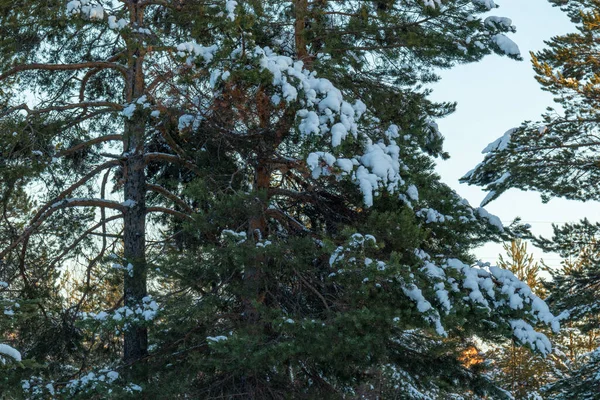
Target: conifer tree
[
  {"x": 307, "y": 264},
  {"x": 318, "y": 255},
  {"x": 573, "y": 293},
  {"x": 517, "y": 369},
  {"x": 557, "y": 156},
  {"x": 81, "y": 82}
]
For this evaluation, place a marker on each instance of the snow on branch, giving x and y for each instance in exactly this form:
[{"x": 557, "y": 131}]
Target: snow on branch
[
  {"x": 6, "y": 350},
  {"x": 439, "y": 288}
]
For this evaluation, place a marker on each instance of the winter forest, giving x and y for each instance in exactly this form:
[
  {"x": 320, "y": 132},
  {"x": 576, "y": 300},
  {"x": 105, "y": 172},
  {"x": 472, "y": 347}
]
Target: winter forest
[{"x": 220, "y": 199}]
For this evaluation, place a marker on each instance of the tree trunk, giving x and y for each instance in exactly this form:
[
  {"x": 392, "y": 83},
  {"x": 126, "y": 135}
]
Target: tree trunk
[
  {"x": 135, "y": 338},
  {"x": 301, "y": 13}
]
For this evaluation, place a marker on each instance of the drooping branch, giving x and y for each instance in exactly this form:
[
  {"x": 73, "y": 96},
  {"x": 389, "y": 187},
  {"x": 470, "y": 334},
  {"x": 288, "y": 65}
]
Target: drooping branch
[
  {"x": 65, "y": 193},
  {"x": 66, "y": 203},
  {"x": 69, "y": 248},
  {"x": 85, "y": 104},
  {"x": 90, "y": 104},
  {"x": 60, "y": 202}
]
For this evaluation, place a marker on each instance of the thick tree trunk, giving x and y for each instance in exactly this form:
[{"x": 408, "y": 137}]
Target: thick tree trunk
[{"x": 136, "y": 339}]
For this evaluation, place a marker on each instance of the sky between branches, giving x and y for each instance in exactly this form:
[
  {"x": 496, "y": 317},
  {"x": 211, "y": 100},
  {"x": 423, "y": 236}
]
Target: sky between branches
[{"x": 493, "y": 96}]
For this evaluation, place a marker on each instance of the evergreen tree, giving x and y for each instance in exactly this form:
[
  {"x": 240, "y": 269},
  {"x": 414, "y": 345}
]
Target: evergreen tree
[
  {"x": 82, "y": 86},
  {"x": 557, "y": 156},
  {"x": 317, "y": 256},
  {"x": 515, "y": 368},
  {"x": 573, "y": 293},
  {"x": 296, "y": 293}
]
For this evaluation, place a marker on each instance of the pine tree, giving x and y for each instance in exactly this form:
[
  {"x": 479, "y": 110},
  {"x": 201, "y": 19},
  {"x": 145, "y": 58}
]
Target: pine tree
[
  {"x": 318, "y": 255},
  {"x": 295, "y": 293},
  {"x": 82, "y": 86},
  {"x": 573, "y": 293},
  {"x": 517, "y": 369},
  {"x": 557, "y": 156}
]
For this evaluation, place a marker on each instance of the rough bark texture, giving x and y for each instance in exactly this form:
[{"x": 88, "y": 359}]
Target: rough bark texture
[
  {"x": 301, "y": 13},
  {"x": 136, "y": 338}
]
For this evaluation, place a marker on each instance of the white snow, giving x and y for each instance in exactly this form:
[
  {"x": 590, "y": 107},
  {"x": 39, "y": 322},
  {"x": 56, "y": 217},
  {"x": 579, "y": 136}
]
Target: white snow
[
  {"x": 320, "y": 163},
  {"x": 345, "y": 164},
  {"x": 525, "y": 333},
  {"x": 413, "y": 192},
  {"x": 488, "y": 4},
  {"x": 10, "y": 352},
  {"x": 128, "y": 111},
  {"x": 491, "y": 218},
  {"x": 416, "y": 295},
  {"x": 338, "y": 133},
  {"x": 431, "y": 215},
  {"x": 112, "y": 376},
  {"x": 216, "y": 339},
  {"x": 129, "y": 203},
  {"x": 501, "y": 143},
  {"x": 501, "y": 22},
  {"x": 230, "y": 6},
  {"x": 196, "y": 50},
  {"x": 116, "y": 25},
  {"x": 506, "y": 45}
]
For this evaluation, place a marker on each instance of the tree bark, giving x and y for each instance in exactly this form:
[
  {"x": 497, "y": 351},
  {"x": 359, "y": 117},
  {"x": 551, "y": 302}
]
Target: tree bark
[
  {"x": 301, "y": 13},
  {"x": 134, "y": 176}
]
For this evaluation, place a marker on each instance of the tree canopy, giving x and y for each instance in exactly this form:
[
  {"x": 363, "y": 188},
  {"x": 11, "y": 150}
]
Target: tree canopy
[{"x": 238, "y": 200}]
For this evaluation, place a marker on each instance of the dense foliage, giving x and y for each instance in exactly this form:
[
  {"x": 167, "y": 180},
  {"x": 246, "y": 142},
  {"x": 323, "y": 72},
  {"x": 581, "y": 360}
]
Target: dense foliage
[{"x": 256, "y": 179}]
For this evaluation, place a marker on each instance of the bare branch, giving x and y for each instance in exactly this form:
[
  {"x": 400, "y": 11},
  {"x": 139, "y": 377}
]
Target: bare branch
[
  {"x": 171, "y": 196},
  {"x": 149, "y": 157},
  {"x": 63, "y": 67},
  {"x": 165, "y": 210},
  {"x": 90, "y": 142}
]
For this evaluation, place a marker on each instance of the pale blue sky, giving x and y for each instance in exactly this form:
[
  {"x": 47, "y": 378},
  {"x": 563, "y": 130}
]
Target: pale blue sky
[{"x": 493, "y": 96}]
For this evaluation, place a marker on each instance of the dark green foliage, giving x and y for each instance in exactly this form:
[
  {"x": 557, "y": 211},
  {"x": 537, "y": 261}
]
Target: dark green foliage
[
  {"x": 573, "y": 292},
  {"x": 277, "y": 276}
]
